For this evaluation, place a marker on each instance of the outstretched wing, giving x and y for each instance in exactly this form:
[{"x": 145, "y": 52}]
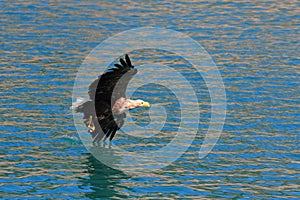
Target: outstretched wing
[
  {"x": 103, "y": 93},
  {"x": 112, "y": 85}
]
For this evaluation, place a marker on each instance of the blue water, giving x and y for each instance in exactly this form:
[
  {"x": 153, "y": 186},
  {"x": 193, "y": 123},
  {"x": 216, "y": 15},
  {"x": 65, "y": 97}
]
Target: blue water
[{"x": 256, "y": 47}]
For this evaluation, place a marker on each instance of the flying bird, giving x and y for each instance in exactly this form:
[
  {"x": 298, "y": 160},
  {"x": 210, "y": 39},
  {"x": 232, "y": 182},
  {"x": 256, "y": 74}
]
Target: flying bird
[{"x": 104, "y": 113}]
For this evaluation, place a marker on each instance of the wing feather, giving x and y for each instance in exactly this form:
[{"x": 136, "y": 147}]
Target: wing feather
[
  {"x": 103, "y": 87},
  {"x": 128, "y": 61}
]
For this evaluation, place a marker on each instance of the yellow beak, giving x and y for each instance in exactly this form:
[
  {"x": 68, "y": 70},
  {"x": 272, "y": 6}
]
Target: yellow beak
[{"x": 146, "y": 104}]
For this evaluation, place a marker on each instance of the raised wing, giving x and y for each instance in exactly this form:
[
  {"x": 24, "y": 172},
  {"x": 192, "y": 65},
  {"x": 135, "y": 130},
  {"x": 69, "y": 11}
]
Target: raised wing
[{"x": 112, "y": 85}]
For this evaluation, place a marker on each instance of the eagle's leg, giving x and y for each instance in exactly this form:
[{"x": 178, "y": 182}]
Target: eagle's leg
[{"x": 90, "y": 124}]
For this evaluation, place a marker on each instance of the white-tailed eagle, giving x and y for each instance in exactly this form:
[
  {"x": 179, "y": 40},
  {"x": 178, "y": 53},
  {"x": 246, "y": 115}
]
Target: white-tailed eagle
[{"x": 104, "y": 113}]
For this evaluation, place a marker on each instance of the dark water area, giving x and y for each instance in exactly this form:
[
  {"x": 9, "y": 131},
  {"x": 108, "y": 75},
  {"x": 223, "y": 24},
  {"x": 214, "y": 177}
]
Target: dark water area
[{"x": 256, "y": 48}]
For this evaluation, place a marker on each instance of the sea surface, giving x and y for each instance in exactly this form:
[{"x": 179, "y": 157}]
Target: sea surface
[{"x": 255, "y": 46}]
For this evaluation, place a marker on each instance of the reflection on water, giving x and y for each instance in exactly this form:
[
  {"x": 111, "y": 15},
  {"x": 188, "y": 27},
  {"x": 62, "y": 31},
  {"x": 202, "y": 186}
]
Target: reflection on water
[
  {"x": 256, "y": 47},
  {"x": 103, "y": 181}
]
